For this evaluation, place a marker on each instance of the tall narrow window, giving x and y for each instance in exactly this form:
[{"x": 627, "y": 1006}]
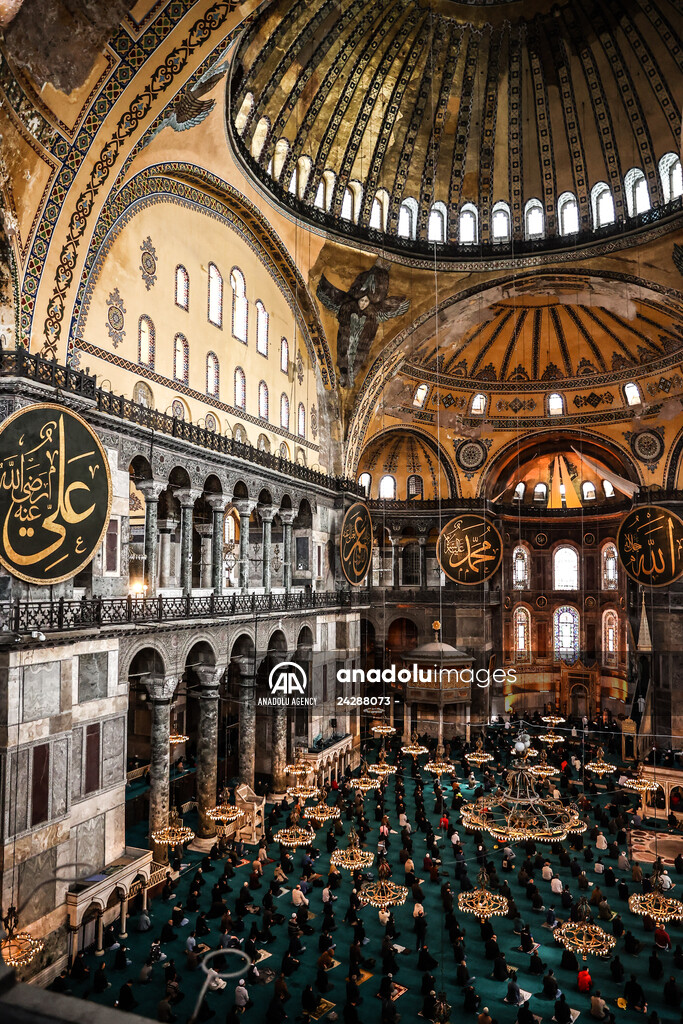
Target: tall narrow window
[
  {"x": 239, "y": 305},
  {"x": 436, "y": 228},
  {"x": 284, "y": 411},
  {"x": 301, "y": 420},
  {"x": 387, "y": 488},
  {"x": 520, "y": 568},
  {"x": 146, "y": 342},
  {"x": 364, "y": 481},
  {"x": 240, "y": 389},
  {"x": 284, "y": 355},
  {"x": 610, "y": 570},
  {"x": 420, "y": 395},
  {"x": 603, "y": 205},
  {"x": 632, "y": 394},
  {"x": 555, "y": 404},
  {"x": 261, "y": 329},
  {"x": 415, "y": 487},
  {"x": 407, "y": 218},
  {"x": 566, "y": 634},
  {"x": 478, "y": 407},
  {"x": 566, "y": 569},
  {"x": 181, "y": 358},
  {"x": 568, "y": 213},
  {"x": 500, "y": 222},
  {"x": 670, "y": 174},
  {"x": 319, "y": 201},
  {"x": 263, "y": 400},
  {"x": 521, "y": 624},
  {"x": 533, "y": 219},
  {"x": 467, "y": 226},
  {"x": 111, "y": 548},
  {"x": 215, "y": 296},
  {"x": 519, "y": 491},
  {"x": 637, "y": 194},
  {"x": 608, "y": 488},
  {"x": 182, "y": 287},
  {"x": 347, "y": 205},
  {"x": 40, "y": 784},
  {"x": 92, "y": 758},
  {"x": 610, "y": 632},
  {"x": 212, "y": 371}
]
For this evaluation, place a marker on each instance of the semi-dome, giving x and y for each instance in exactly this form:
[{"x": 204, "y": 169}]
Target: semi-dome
[
  {"x": 475, "y": 126},
  {"x": 404, "y": 465}
]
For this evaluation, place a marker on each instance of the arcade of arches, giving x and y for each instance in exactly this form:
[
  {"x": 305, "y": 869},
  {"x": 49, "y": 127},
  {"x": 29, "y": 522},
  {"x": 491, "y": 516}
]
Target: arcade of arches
[{"x": 284, "y": 257}]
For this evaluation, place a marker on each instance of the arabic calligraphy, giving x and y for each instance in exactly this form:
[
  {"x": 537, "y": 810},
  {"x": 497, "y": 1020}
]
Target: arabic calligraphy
[
  {"x": 55, "y": 494},
  {"x": 650, "y": 545},
  {"x": 355, "y": 546},
  {"x": 469, "y": 549}
]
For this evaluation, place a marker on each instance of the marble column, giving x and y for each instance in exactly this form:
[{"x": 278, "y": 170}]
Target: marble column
[
  {"x": 217, "y": 506},
  {"x": 205, "y": 531},
  {"x": 287, "y": 516},
  {"x": 267, "y": 512},
  {"x": 279, "y": 738},
  {"x": 99, "y": 934},
  {"x": 247, "y": 749},
  {"x": 151, "y": 490},
  {"x": 207, "y": 748},
  {"x": 407, "y": 722},
  {"x": 73, "y": 932},
  {"x": 187, "y": 498},
  {"x": 422, "y": 541},
  {"x": 395, "y": 574},
  {"x": 244, "y": 508},
  {"x": 123, "y": 918},
  {"x": 160, "y": 690},
  {"x": 440, "y": 735},
  {"x": 167, "y": 528}
]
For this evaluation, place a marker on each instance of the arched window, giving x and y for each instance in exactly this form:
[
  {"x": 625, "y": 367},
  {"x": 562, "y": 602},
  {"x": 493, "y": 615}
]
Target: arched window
[
  {"x": 415, "y": 488},
  {"x": 301, "y": 420},
  {"x": 540, "y": 492},
  {"x": 637, "y": 194},
  {"x": 519, "y": 491},
  {"x": 351, "y": 202},
  {"x": 215, "y": 296},
  {"x": 387, "y": 488},
  {"x": 323, "y": 195},
  {"x": 380, "y": 208},
  {"x": 259, "y": 137},
  {"x": 602, "y": 205},
  {"x": 588, "y": 491},
  {"x": 438, "y": 219},
  {"x": 610, "y": 568},
  {"x": 478, "y": 406},
  {"x": 261, "y": 329},
  {"x": 181, "y": 358},
  {"x": 420, "y": 395},
  {"x": 240, "y": 389},
  {"x": 284, "y": 411},
  {"x": 244, "y": 113},
  {"x": 146, "y": 341},
  {"x": 299, "y": 179},
  {"x": 534, "y": 221},
  {"x": 407, "y": 218},
  {"x": 566, "y": 568},
  {"x": 284, "y": 355},
  {"x": 608, "y": 488},
  {"x": 212, "y": 374},
  {"x": 555, "y": 404},
  {"x": 521, "y": 627},
  {"x": 672, "y": 179},
  {"x": 566, "y": 633},
  {"x": 632, "y": 394},
  {"x": 610, "y": 636},
  {"x": 279, "y": 157},
  {"x": 500, "y": 222},
  {"x": 239, "y": 305},
  {"x": 568, "y": 214},
  {"x": 364, "y": 481},
  {"x": 468, "y": 225},
  {"x": 182, "y": 287},
  {"x": 319, "y": 200},
  {"x": 520, "y": 568},
  {"x": 263, "y": 400}
]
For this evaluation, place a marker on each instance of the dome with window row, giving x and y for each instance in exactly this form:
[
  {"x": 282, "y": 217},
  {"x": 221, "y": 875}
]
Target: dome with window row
[
  {"x": 472, "y": 128},
  {"x": 563, "y": 478},
  {"x": 404, "y": 466}
]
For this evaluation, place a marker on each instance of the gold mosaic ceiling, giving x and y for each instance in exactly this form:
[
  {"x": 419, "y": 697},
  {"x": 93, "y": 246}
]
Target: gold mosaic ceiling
[
  {"x": 402, "y": 454},
  {"x": 461, "y": 102}
]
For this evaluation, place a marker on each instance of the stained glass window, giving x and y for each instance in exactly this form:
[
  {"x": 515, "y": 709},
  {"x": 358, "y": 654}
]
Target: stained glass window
[
  {"x": 520, "y": 568},
  {"x": 522, "y": 634},
  {"x": 610, "y": 571},
  {"x": 610, "y": 627},
  {"x": 566, "y": 633}
]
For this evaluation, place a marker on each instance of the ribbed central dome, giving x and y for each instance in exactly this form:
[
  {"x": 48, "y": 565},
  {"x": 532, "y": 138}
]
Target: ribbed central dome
[{"x": 466, "y": 125}]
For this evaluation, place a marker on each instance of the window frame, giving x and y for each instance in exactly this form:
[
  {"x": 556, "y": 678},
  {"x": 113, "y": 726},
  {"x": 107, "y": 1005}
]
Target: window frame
[
  {"x": 262, "y": 325},
  {"x": 186, "y": 278},
  {"x": 240, "y": 375},
  {"x": 392, "y": 478},
  {"x": 558, "y": 551},
  {"x": 263, "y": 401},
  {"x": 559, "y": 653},
  {"x": 236, "y": 275},
  {"x": 149, "y": 362}
]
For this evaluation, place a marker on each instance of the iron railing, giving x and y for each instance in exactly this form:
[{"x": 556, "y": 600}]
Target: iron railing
[{"x": 62, "y": 615}]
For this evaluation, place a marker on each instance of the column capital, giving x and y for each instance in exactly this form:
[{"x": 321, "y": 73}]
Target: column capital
[
  {"x": 188, "y": 495},
  {"x": 167, "y": 524},
  {"x": 204, "y": 529},
  {"x": 160, "y": 688},
  {"x": 267, "y": 512},
  {"x": 209, "y": 677},
  {"x": 244, "y": 506},
  {"x": 422, "y": 540},
  {"x": 287, "y": 515},
  {"x": 152, "y": 490},
  {"x": 216, "y": 502}
]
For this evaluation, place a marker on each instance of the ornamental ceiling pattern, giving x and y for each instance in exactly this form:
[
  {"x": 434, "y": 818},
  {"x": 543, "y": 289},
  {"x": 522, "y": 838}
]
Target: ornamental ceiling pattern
[{"x": 451, "y": 106}]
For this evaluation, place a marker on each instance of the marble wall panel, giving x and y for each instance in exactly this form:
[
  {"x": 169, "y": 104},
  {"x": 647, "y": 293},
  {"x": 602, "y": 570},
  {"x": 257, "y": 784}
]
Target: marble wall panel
[{"x": 41, "y": 691}]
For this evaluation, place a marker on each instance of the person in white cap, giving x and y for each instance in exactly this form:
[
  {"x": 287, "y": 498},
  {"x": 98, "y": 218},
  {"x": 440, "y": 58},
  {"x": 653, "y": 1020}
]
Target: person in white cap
[{"x": 242, "y": 999}]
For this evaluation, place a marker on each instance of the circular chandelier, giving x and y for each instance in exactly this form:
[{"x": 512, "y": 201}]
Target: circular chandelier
[
  {"x": 303, "y": 791},
  {"x": 640, "y": 783},
  {"x": 177, "y": 737},
  {"x": 352, "y": 857},
  {"x": 299, "y": 767},
  {"x": 551, "y": 738},
  {"x": 294, "y": 835},
  {"x": 482, "y": 902},
  {"x": 18, "y": 948},
  {"x": 542, "y": 770},
  {"x": 584, "y": 937},
  {"x": 173, "y": 834},
  {"x": 382, "y": 768},
  {"x": 383, "y": 728},
  {"x": 599, "y": 766},
  {"x": 414, "y": 749},
  {"x": 553, "y": 720},
  {"x": 479, "y": 756},
  {"x": 655, "y": 904},
  {"x": 382, "y": 894},
  {"x": 224, "y": 812},
  {"x": 365, "y": 782},
  {"x": 521, "y": 814},
  {"x": 439, "y": 765},
  {"x": 322, "y": 812}
]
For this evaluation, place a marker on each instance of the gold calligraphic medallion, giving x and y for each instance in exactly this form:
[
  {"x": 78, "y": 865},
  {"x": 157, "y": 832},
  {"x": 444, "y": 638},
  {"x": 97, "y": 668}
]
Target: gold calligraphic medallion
[
  {"x": 650, "y": 545},
  {"x": 469, "y": 549},
  {"x": 55, "y": 494},
  {"x": 355, "y": 546}
]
